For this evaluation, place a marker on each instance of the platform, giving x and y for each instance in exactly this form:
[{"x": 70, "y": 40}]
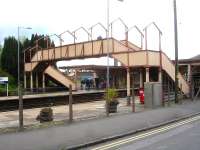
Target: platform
[{"x": 56, "y": 94}]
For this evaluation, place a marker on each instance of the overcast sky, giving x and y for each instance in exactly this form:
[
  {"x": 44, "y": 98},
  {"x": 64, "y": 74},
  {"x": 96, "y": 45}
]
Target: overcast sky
[{"x": 55, "y": 16}]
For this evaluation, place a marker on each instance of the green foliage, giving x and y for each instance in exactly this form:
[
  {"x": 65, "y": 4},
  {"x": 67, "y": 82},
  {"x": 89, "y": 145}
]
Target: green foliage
[
  {"x": 9, "y": 56},
  {"x": 0, "y": 54},
  {"x": 111, "y": 95},
  {"x": 11, "y": 81},
  {"x": 5, "y": 74},
  {"x": 44, "y": 42}
]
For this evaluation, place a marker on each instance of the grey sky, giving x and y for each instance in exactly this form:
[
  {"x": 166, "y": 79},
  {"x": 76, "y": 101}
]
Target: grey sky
[{"x": 55, "y": 16}]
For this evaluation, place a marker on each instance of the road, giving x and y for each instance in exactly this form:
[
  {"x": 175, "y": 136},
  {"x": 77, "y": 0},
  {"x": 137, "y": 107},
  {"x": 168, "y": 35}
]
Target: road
[{"x": 184, "y": 135}]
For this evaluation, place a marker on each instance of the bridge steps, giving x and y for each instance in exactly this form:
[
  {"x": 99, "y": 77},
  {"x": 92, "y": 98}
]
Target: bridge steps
[{"x": 60, "y": 77}]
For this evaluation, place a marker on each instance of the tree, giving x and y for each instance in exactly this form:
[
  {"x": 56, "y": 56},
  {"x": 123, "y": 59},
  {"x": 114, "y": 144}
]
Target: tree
[
  {"x": 0, "y": 54},
  {"x": 9, "y": 56},
  {"x": 42, "y": 43}
]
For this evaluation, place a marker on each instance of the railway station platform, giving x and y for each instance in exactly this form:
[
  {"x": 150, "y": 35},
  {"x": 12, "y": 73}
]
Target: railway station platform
[{"x": 53, "y": 95}]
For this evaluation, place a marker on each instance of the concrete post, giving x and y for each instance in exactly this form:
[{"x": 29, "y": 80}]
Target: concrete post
[
  {"x": 36, "y": 81},
  {"x": 75, "y": 77},
  {"x": 160, "y": 80},
  {"x": 31, "y": 81},
  {"x": 147, "y": 74},
  {"x": 133, "y": 96},
  {"x": 141, "y": 78},
  {"x": 43, "y": 81},
  {"x": 128, "y": 86},
  {"x": 189, "y": 73},
  {"x": 181, "y": 95},
  {"x": 115, "y": 62},
  {"x": 168, "y": 91},
  {"x": 21, "y": 117},
  {"x": 189, "y": 80},
  {"x": 70, "y": 104},
  {"x": 160, "y": 75},
  {"x": 25, "y": 80}
]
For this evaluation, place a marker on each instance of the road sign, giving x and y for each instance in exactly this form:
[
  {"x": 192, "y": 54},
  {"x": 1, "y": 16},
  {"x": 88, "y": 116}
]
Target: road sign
[{"x": 3, "y": 80}]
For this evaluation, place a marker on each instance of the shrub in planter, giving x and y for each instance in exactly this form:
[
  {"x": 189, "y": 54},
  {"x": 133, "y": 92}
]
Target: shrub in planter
[
  {"x": 46, "y": 115},
  {"x": 111, "y": 97}
]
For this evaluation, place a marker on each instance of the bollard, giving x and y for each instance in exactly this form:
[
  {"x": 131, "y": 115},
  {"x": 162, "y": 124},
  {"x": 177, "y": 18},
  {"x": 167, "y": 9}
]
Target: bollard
[{"x": 70, "y": 104}]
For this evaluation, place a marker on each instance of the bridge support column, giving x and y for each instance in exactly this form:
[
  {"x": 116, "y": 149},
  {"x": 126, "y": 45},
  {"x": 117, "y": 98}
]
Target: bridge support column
[
  {"x": 25, "y": 80},
  {"x": 128, "y": 87},
  {"x": 147, "y": 74},
  {"x": 160, "y": 80},
  {"x": 43, "y": 81},
  {"x": 189, "y": 73},
  {"x": 189, "y": 77},
  {"x": 115, "y": 62},
  {"x": 36, "y": 80},
  {"x": 160, "y": 75},
  {"x": 31, "y": 80},
  {"x": 141, "y": 78},
  {"x": 75, "y": 77}
]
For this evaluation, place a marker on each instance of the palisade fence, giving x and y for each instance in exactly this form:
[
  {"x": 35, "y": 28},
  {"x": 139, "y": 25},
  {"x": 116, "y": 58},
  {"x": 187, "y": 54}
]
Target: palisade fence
[
  {"x": 70, "y": 110},
  {"x": 73, "y": 110}
]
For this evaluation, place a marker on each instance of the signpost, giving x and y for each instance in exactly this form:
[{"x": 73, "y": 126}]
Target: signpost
[{"x": 4, "y": 81}]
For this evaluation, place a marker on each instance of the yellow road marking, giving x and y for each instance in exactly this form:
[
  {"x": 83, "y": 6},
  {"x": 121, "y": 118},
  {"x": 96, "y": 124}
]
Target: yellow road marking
[{"x": 143, "y": 135}]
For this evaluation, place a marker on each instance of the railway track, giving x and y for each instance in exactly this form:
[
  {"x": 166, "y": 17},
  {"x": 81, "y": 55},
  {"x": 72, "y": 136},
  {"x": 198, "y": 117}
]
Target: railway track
[{"x": 54, "y": 101}]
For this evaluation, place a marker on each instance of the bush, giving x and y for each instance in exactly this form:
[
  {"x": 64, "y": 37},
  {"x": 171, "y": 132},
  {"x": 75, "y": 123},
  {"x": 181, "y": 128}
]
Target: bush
[
  {"x": 46, "y": 115},
  {"x": 6, "y": 74},
  {"x": 111, "y": 95},
  {"x": 11, "y": 81}
]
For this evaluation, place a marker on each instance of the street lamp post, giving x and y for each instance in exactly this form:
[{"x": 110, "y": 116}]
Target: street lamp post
[
  {"x": 176, "y": 51},
  {"x": 18, "y": 79},
  {"x": 107, "y": 70}
]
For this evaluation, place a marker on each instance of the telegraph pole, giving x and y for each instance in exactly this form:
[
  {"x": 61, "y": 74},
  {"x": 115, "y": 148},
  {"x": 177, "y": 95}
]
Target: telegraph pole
[{"x": 176, "y": 52}]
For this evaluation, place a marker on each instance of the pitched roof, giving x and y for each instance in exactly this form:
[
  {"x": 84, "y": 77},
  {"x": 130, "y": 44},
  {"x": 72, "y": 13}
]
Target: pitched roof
[{"x": 197, "y": 57}]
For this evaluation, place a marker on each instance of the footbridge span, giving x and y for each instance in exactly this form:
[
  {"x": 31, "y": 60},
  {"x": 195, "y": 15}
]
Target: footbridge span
[{"x": 129, "y": 55}]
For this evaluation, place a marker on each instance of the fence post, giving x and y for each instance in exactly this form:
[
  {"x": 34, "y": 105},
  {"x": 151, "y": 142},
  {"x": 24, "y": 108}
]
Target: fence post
[
  {"x": 181, "y": 95},
  {"x": 70, "y": 104},
  {"x": 168, "y": 93},
  {"x": 133, "y": 97},
  {"x": 192, "y": 91},
  {"x": 21, "y": 118}
]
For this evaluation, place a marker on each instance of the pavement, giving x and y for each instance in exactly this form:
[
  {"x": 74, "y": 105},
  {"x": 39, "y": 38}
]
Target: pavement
[{"x": 89, "y": 131}]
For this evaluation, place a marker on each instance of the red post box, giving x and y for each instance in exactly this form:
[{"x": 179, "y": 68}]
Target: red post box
[{"x": 141, "y": 95}]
